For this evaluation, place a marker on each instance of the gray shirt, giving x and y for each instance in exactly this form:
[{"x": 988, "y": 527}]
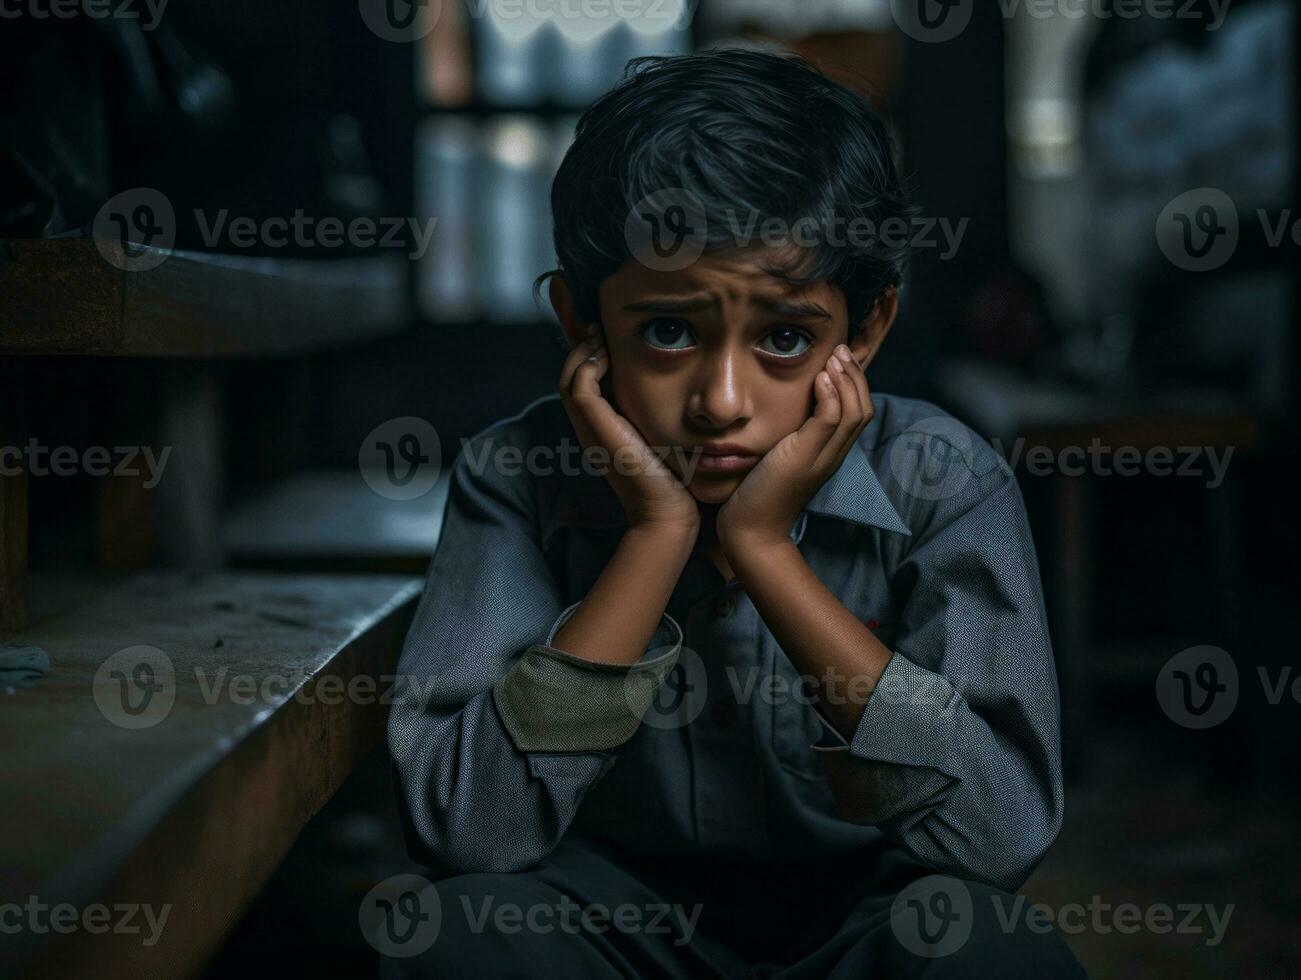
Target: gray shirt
[{"x": 503, "y": 744}]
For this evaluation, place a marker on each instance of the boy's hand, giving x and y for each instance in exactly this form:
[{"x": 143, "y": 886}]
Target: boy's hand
[
  {"x": 762, "y": 510},
  {"x": 652, "y": 496}
]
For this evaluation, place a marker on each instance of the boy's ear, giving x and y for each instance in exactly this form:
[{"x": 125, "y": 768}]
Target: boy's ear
[
  {"x": 562, "y": 301},
  {"x": 871, "y": 333}
]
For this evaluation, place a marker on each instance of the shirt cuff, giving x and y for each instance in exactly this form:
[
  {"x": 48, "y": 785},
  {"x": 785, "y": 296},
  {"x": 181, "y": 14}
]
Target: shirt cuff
[
  {"x": 909, "y": 707},
  {"x": 912, "y": 718},
  {"x": 553, "y": 701}
]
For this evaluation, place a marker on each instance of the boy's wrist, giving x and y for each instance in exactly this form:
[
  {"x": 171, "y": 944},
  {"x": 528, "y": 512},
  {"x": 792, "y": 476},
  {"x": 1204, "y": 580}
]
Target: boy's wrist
[
  {"x": 676, "y": 531},
  {"x": 748, "y": 547},
  {"x": 662, "y": 544}
]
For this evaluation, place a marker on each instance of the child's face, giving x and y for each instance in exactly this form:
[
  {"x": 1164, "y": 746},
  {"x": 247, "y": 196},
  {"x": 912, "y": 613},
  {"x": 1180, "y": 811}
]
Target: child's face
[{"x": 723, "y": 351}]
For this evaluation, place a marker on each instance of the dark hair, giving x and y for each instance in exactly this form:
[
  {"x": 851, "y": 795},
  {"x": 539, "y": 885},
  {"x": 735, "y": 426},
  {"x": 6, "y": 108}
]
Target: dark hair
[{"x": 747, "y": 132}]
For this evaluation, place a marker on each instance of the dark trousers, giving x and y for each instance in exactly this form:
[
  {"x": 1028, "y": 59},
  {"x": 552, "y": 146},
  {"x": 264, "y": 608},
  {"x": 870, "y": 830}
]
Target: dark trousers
[{"x": 582, "y": 913}]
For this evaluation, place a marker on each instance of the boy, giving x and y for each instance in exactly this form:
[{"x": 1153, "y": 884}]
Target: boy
[{"x": 631, "y": 661}]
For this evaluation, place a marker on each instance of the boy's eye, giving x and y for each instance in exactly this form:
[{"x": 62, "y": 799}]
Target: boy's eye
[
  {"x": 667, "y": 334},
  {"x": 786, "y": 342}
]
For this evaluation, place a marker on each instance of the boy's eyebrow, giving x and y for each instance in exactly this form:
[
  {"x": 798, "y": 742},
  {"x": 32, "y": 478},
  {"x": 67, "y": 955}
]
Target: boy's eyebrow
[
  {"x": 792, "y": 307},
  {"x": 685, "y": 304}
]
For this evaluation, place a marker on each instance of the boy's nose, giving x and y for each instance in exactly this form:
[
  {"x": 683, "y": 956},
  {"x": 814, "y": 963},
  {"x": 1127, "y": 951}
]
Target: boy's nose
[{"x": 719, "y": 396}]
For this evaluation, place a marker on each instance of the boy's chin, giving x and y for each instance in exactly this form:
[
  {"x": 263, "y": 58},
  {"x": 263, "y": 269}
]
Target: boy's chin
[{"x": 714, "y": 490}]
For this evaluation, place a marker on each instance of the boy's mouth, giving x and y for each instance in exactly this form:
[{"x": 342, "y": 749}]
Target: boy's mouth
[{"x": 725, "y": 457}]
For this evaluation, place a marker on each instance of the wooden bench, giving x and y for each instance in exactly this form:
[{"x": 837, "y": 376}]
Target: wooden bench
[{"x": 278, "y": 685}]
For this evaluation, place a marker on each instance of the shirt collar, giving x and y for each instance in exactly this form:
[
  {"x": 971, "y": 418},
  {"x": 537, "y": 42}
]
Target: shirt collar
[{"x": 853, "y": 493}]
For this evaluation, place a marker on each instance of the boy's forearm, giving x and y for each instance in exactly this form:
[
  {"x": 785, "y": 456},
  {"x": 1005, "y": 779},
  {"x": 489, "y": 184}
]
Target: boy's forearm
[
  {"x": 617, "y": 619},
  {"x": 822, "y": 638}
]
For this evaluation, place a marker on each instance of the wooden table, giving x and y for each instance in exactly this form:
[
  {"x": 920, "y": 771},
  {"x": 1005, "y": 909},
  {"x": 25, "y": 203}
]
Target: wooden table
[
  {"x": 192, "y": 811},
  {"x": 60, "y": 296},
  {"x": 64, "y": 297}
]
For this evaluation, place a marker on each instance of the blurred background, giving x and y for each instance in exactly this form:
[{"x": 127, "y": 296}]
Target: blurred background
[{"x": 1103, "y": 285}]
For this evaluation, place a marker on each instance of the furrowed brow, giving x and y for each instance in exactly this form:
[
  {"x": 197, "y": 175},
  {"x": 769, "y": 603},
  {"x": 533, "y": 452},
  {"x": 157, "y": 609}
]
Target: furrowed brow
[
  {"x": 669, "y": 304},
  {"x": 792, "y": 307}
]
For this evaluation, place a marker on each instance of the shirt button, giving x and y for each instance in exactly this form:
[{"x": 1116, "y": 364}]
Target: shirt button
[
  {"x": 725, "y": 604},
  {"x": 723, "y": 712}
]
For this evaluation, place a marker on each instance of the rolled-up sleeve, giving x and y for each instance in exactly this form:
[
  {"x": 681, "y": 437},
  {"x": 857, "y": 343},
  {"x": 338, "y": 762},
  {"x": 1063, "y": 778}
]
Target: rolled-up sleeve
[
  {"x": 552, "y": 701},
  {"x": 956, "y": 756},
  {"x": 495, "y": 734}
]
